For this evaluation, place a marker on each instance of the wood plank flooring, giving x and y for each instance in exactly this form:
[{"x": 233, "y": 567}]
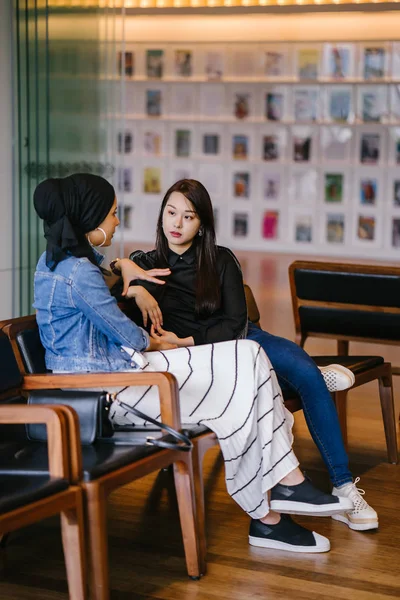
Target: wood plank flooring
[{"x": 146, "y": 555}]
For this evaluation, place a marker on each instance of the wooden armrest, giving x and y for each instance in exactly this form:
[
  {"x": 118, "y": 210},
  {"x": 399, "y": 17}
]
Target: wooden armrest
[
  {"x": 166, "y": 383},
  {"x": 54, "y": 419}
]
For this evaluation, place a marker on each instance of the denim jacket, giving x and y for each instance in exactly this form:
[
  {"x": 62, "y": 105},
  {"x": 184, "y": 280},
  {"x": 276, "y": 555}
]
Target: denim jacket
[{"x": 80, "y": 324}]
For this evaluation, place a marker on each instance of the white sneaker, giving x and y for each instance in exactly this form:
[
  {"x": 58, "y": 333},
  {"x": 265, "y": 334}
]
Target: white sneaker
[
  {"x": 337, "y": 377},
  {"x": 363, "y": 516}
]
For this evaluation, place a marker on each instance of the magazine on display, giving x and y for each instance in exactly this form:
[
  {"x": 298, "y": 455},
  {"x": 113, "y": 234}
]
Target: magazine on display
[
  {"x": 274, "y": 106},
  {"x": 374, "y": 62},
  {"x": 153, "y": 103},
  {"x": 241, "y": 185},
  {"x": 396, "y": 192},
  {"x": 240, "y": 224},
  {"x": 303, "y": 228},
  {"x": 308, "y": 63},
  {"x": 125, "y": 179},
  {"x": 125, "y": 142},
  {"x": 270, "y": 147},
  {"x": 366, "y": 228},
  {"x": 211, "y": 144},
  {"x": 271, "y": 185},
  {"x": 152, "y": 180},
  {"x": 373, "y": 104},
  {"x": 270, "y": 223},
  {"x": 126, "y": 64},
  {"x": 339, "y": 104},
  {"x": 339, "y": 62},
  {"x": 335, "y": 228},
  {"x": 396, "y": 233},
  {"x": 302, "y": 147},
  {"x": 274, "y": 63},
  {"x": 183, "y": 63},
  {"x": 182, "y": 143},
  {"x": 368, "y": 191},
  {"x": 152, "y": 142},
  {"x": 214, "y": 65},
  {"x": 333, "y": 187},
  {"x": 155, "y": 64},
  {"x": 240, "y": 147},
  {"x": 305, "y": 104},
  {"x": 370, "y": 148},
  {"x": 125, "y": 215}
]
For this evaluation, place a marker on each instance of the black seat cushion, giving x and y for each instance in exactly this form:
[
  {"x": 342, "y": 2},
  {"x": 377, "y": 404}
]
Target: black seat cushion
[
  {"x": 10, "y": 376},
  {"x": 20, "y": 490},
  {"x": 32, "y": 351},
  {"x": 357, "y": 364}
]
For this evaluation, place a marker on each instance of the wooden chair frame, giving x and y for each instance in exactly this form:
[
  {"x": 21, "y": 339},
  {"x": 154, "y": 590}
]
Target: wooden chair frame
[
  {"x": 95, "y": 492},
  {"x": 383, "y": 373},
  {"x": 67, "y": 503}
]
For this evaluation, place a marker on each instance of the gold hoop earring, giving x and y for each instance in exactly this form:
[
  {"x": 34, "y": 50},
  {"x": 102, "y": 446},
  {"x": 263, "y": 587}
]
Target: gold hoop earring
[{"x": 103, "y": 242}]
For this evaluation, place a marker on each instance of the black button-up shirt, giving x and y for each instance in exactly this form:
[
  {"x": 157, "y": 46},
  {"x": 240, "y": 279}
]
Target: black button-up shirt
[{"x": 177, "y": 297}]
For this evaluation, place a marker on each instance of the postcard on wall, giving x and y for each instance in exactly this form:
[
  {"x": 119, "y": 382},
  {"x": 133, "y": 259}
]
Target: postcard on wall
[
  {"x": 152, "y": 141},
  {"x": 373, "y": 103},
  {"x": 152, "y": 180},
  {"x": 125, "y": 215},
  {"x": 305, "y": 104},
  {"x": 308, "y": 60},
  {"x": 182, "y": 99},
  {"x": 270, "y": 147},
  {"x": 125, "y": 182},
  {"x": 183, "y": 63},
  {"x": 339, "y": 60},
  {"x": 274, "y": 63},
  {"x": 240, "y": 147},
  {"x": 340, "y": 108},
  {"x": 126, "y": 64},
  {"x": 182, "y": 143},
  {"x": 241, "y": 105},
  {"x": 303, "y": 228},
  {"x": 214, "y": 65},
  {"x": 125, "y": 142},
  {"x": 303, "y": 186},
  {"x": 396, "y": 192},
  {"x": 240, "y": 224},
  {"x": 241, "y": 184},
  {"x": 396, "y": 233},
  {"x": 335, "y": 224},
  {"x": 270, "y": 225},
  {"x": 336, "y": 142},
  {"x": 271, "y": 185},
  {"x": 212, "y": 100},
  {"x": 302, "y": 144},
  {"x": 155, "y": 64},
  {"x": 368, "y": 190},
  {"x": 333, "y": 187},
  {"x": 374, "y": 62},
  {"x": 211, "y": 144},
  {"x": 243, "y": 63},
  {"x": 366, "y": 227},
  {"x": 274, "y": 106},
  {"x": 370, "y": 148},
  {"x": 153, "y": 103}
]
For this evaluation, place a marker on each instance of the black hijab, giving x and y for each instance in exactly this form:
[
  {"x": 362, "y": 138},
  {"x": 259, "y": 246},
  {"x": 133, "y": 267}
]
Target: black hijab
[{"x": 71, "y": 207}]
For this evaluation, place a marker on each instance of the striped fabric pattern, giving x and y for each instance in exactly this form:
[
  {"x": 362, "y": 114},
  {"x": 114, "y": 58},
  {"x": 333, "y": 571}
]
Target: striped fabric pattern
[{"x": 232, "y": 388}]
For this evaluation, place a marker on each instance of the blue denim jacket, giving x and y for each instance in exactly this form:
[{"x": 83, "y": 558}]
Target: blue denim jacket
[{"x": 80, "y": 324}]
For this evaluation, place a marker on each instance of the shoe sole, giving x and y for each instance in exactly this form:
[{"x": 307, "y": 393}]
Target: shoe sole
[
  {"x": 301, "y": 508},
  {"x": 322, "y": 545},
  {"x": 345, "y": 371},
  {"x": 356, "y": 526}
]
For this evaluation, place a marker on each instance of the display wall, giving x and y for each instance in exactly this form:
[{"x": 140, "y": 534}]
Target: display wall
[{"x": 298, "y": 142}]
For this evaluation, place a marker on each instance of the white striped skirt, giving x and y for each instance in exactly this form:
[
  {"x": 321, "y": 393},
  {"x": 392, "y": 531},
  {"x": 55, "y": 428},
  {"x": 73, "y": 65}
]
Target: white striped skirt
[{"x": 231, "y": 388}]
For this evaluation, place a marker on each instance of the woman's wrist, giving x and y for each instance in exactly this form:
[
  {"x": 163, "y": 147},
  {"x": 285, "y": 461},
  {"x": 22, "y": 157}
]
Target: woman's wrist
[
  {"x": 115, "y": 266},
  {"x": 185, "y": 342}
]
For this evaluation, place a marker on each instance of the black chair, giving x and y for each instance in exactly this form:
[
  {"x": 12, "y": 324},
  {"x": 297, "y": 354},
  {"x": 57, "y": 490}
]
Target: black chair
[
  {"x": 28, "y": 495},
  {"x": 107, "y": 465},
  {"x": 351, "y": 302}
]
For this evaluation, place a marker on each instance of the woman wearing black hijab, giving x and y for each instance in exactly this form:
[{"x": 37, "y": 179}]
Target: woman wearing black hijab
[{"x": 230, "y": 387}]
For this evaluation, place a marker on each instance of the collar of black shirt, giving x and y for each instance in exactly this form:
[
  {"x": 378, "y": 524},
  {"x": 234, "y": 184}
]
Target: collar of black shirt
[{"x": 189, "y": 256}]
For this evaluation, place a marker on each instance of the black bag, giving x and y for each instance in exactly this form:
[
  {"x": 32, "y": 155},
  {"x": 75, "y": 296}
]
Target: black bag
[{"x": 92, "y": 409}]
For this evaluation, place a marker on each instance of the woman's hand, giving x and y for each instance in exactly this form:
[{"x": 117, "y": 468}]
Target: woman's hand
[
  {"x": 147, "y": 305},
  {"x": 157, "y": 343},
  {"x": 130, "y": 270},
  {"x": 170, "y": 337}
]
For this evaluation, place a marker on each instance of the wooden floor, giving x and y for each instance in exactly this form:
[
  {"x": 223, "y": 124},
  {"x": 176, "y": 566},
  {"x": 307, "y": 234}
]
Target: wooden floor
[{"x": 146, "y": 555}]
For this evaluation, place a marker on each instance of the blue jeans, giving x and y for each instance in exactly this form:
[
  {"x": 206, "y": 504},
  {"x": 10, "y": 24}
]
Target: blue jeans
[{"x": 297, "y": 372}]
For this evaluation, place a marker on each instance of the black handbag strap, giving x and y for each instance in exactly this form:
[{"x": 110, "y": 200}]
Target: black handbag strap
[{"x": 183, "y": 443}]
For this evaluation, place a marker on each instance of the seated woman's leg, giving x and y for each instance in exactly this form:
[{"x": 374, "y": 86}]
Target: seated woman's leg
[{"x": 231, "y": 388}]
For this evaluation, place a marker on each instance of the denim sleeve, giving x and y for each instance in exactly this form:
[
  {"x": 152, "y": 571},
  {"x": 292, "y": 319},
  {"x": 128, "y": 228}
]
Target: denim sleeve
[{"x": 91, "y": 295}]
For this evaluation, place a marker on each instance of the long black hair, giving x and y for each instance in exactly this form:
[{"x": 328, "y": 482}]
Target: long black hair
[{"x": 208, "y": 295}]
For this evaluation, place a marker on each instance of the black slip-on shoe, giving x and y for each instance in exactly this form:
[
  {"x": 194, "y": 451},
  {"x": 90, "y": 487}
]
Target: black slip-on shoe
[
  {"x": 286, "y": 535},
  {"x": 305, "y": 499}
]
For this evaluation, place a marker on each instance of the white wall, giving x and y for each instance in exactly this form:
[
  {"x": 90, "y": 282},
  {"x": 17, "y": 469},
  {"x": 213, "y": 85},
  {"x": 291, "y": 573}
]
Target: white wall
[{"x": 6, "y": 176}]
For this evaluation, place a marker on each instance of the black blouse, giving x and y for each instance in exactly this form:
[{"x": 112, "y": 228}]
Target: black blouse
[{"x": 177, "y": 297}]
